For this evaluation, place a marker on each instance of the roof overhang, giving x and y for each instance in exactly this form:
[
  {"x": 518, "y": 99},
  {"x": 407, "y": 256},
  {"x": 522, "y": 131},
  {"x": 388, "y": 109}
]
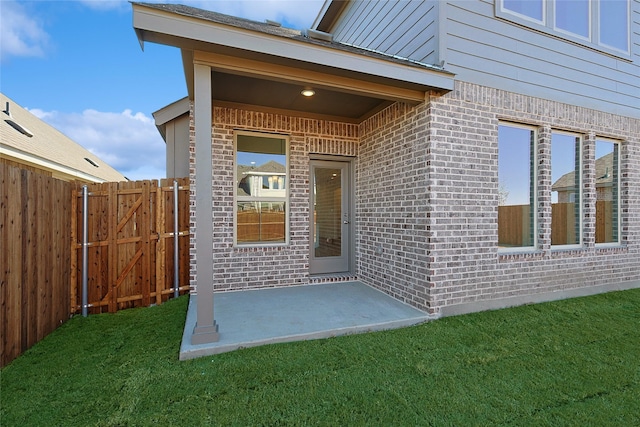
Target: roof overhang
[
  {"x": 169, "y": 113},
  {"x": 57, "y": 170},
  {"x": 258, "y": 60}
]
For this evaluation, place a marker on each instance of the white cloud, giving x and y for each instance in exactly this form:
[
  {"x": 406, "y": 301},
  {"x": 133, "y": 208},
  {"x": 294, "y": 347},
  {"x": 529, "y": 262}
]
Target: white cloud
[
  {"x": 106, "y": 4},
  {"x": 293, "y": 13},
  {"x": 20, "y": 34},
  {"x": 297, "y": 14},
  {"x": 128, "y": 142}
]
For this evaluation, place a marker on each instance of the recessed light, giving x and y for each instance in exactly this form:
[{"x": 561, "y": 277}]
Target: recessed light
[{"x": 308, "y": 92}]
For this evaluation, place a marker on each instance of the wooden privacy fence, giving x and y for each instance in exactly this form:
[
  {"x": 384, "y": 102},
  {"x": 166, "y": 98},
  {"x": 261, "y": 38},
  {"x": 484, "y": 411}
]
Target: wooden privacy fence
[
  {"x": 514, "y": 220},
  {"x": 267, "y": 226},
  {"x": 130, "y": 244},
  {"x": 35, "y": 215}
]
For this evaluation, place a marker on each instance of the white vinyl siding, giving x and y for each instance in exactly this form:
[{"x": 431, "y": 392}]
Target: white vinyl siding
[
  {"x": 493, "y": 52},
  {"x": 599, "y": 24},
  {"x": 483, "y": 49},
  {"x": 406, "y": 29}
]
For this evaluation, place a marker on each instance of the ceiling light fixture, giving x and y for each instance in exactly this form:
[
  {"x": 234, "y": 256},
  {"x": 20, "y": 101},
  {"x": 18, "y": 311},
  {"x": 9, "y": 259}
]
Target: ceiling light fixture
[{"x": 308, "y": 92}]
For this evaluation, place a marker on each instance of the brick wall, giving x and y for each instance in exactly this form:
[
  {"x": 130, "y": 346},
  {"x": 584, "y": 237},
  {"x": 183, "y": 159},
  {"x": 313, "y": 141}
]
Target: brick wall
[
  {"x": 254, "y": 267},
  {"x": 463, "y": 189},
  {"x": 427, "y": 197},
  {"x": 392, "y": 213}
]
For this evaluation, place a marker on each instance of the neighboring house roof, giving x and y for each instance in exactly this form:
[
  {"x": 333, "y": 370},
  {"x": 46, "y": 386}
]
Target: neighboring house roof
[
  {"x": 25, "y": 139},
  {"x": 271, "y": 167},
  {"x": 604, "y": 175}
]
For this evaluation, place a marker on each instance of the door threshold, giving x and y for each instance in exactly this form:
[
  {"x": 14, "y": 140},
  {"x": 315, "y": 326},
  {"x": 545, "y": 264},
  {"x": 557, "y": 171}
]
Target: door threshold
[{"x": 332, "y": 277}]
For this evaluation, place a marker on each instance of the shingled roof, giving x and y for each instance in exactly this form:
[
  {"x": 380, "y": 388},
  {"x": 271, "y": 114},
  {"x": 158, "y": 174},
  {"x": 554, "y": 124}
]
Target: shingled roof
[
  {"x": 26, "y": 139},
  {"x": 275, "y": 29},
  {"x": 245, "y": 170},
  {"x": 604, "y": 174}
]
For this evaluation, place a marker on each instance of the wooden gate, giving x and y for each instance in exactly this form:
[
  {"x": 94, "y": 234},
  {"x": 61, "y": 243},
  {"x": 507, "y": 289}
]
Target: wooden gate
[{"x": 130, "y": 244}]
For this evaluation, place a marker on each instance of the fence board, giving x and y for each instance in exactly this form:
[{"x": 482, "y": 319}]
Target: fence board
[
  {"x": 29, "y": 275},
  {"x": 131, "y": 258},
  {"x": 12, "y": 277},
  {"x": 112, "y": 248},
  {"x": 35, "y": 233},
  {"x": 563, "y": 223},
  {"x": 605, "y": 219}
]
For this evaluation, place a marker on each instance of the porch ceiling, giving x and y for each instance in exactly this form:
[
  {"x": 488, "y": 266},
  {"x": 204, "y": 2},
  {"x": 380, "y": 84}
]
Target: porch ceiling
[
  {"x": 269, "y": 95},
  {"x": 267, "y": 66}
]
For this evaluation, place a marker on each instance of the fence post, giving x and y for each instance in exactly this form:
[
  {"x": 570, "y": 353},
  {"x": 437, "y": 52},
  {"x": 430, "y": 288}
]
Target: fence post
[
  {"x": 176, "y": 265},
  {"x": 85, "y": 249}
]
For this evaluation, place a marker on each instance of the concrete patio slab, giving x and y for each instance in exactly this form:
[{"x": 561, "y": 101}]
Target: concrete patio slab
[{"x": 275, "y": 315}]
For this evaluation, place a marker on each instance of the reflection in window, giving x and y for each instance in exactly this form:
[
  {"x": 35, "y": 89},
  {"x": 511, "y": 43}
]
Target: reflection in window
[
  {"x": 608, "y": 191},
  {"x": 573, "y": 16},
  {"x": 516, "y": 177},
  {"x": 327, "y": 212},
  {"x": 533, "y": 9},
  {"x": 261, "y": 188},
  {"x": 614, "y": 24},
  {"x": 261, "y": 222},
  {"x": 566, "y": 173}
]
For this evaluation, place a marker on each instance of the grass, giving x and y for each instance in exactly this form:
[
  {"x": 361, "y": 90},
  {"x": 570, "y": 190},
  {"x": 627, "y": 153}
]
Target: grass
[{"x": 572, "y": 362}]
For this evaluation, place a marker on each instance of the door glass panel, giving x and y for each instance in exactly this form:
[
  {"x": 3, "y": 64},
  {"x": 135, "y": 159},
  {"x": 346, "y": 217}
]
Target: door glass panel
[{"x": 327, "y": 212}]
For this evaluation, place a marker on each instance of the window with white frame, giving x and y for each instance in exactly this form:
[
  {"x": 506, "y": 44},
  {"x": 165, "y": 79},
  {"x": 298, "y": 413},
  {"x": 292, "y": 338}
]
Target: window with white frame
[
  {"x": 604, "y": 24},
  {"x": 566, "y": 190},
  {"x": 516, "y": 186},
  {"x": 607, "y": 191},
  {"x": 613, "y": 24},
  {"x": 261, "y": 190},
  {"x": 529, "y": 9},
  {"x": 573, "y": 17}
]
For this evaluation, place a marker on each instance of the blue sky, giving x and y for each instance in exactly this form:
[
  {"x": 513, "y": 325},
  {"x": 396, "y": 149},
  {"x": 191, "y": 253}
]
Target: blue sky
[{"x": 79, "y": 67}]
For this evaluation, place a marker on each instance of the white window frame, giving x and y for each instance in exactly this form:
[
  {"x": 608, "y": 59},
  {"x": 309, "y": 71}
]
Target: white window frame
[
  {"x": 568, "y": 33},
  {"x": 534, "y": 246},
  {"x": 619, "y": 198},
  {"x": 505, "y": 13},
  {"x": 580, "y": 173},
  {"x": 627, "y": 52},
  {"x": 547, "y": 25},
  {"x": 237, "y": 198}
]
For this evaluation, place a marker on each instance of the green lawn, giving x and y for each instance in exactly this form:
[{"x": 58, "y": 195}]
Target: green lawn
[{"x": 573, "y": 362}]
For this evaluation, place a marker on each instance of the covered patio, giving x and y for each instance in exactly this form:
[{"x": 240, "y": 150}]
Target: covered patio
[
  {"x": 276, "y": 315},
  {"x": 314, "y": 94}
]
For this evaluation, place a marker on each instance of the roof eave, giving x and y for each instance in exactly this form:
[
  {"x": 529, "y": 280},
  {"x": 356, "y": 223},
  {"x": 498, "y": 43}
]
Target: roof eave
[
  {"x": 170, "y": 112},
  {"x": 194, "y": 33},
  {"x": 50, "y": 165}
]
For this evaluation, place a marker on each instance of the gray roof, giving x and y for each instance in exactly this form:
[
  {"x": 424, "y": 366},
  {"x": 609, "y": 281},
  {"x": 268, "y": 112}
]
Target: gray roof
[
  {"x": 47, "y": 145},
  {"x": 280, "y": 31},
  {"x": 604, "y": 174},
  {"x": 269, "y": 167}
]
